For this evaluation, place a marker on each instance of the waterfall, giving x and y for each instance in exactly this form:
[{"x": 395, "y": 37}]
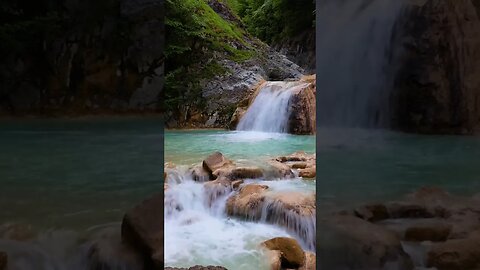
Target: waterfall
[
  {"x": 354, "y": 61},
  {"x": 198, "y": 229},
  {"x": 269, "y": 111}
]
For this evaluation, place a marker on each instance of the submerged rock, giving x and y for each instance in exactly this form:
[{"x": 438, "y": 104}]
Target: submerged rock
[
  {"x": 290, "y": 251},
  {"x": 142, "y": 229}
]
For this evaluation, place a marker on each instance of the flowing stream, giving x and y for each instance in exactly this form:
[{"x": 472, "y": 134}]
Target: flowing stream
[{"x": 202, "y": 233}]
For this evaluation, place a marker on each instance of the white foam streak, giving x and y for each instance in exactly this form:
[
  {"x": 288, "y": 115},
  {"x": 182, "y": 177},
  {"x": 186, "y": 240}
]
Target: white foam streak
[{"x": 269, "y": 111}]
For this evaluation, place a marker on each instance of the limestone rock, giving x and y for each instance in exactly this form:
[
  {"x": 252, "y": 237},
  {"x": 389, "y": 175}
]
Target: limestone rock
[
  {"x": 457, "y": 254},
  {"x": 435, "y": 232},
  {"x": 300, "y": 161},
  {"x": 142, "y": 229},
  {"x": 214, "y": 162},
  {"x": 302, "y": 108},
  {"x": 235, "y": 173},
  {"x": 291, "y": 210},
  {"x": 436, "y": 89},
  {"x": 372, "y": 212},
  {"x": 349, "y": 240},
  {"x": 310, "y": 262},
  {"x": 199, "y": 174},
  {"x": 291, "y": 253}
]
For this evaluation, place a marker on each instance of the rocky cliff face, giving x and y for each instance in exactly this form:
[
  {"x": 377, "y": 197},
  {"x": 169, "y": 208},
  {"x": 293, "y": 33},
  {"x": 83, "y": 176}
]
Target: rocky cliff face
[
  {"x": 300, "y": 49},
  {"x": 437, "y": 88},
  {"x": 219, "y": 95},
  {"x": 302, "y": 109},
  {"x": 106, "y": 57}
]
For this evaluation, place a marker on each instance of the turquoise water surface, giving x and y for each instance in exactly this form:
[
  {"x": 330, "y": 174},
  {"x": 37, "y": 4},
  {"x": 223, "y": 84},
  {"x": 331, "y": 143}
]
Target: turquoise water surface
[
  {"x": 77, "y": 173},
  {"x": 356, "y": 166},
  {"x": 192, "y": 146}
]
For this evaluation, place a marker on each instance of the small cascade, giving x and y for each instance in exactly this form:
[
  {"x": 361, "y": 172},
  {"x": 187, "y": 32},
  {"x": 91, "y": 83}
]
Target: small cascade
[
  {"x": 300, "y": 222},
  {"x": 269, "y": 111},
  {"x": 196, "y": 220},
  {"x": 301, "y": 225},
  {"x": 355, "y": 55}
]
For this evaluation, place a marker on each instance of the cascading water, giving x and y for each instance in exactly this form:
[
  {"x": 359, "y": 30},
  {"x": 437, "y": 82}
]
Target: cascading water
[
  {"x": 354, "y": 61},
  {"x": 270, "y": 109},
  {"x": 198, "y": 230}
]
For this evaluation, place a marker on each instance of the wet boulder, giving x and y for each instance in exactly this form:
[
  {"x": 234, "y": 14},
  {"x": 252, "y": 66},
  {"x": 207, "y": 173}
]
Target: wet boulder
[
  {"x": 302, "y": 108},
  {"x": 291, "y": 210},
  {"x": 142, "y": 229},
  {"x": 309, "y": 172},
  {"x": 235, "y": 173},
  {"x": 247, "y": 202},
  {"x": 217, "y": 188},
  {"x": 428, "y": 231},
  {"x": 372, "y": 212},
  {"x": 348, "y": 240},
  {"x": 214, "y": 162},
  {"x": 236, "y": 184},
  {"x": 303, "y": 163},
  {"x": 274, "y": 258},
  {"x": 280, "y": 170},
  {"x": 291, "y": 253},
  {"x": 456, "y": 254},
  {"x": 310, "y": 261},
  {"x": 199, "y": 174}
]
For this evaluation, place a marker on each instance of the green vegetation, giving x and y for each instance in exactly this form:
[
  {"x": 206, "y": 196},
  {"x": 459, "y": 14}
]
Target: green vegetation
[
  {"x": 197, "y": 37},
  {"x": 194, "y": 33},
  {"x": 275, "y": 20}
]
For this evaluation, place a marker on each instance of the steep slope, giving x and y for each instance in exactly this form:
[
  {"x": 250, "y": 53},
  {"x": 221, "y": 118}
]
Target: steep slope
[{"x": 213, "y": 63}]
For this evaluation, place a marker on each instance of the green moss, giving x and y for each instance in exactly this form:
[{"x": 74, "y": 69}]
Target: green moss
[
  {"x": 212, "y": 69},
  {"x": 239, "y": 55}
]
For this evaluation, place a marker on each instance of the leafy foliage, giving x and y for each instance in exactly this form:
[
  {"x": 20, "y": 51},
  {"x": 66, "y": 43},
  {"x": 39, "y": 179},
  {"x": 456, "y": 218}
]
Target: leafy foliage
[
  {"x": 274, "y": 20},
  {"x": 194, "y": 33}
]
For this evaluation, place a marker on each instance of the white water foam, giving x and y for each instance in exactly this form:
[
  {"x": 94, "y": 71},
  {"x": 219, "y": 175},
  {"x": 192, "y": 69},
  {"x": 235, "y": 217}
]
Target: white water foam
[
  {"x": 198, "y": 231},
  {"x": 269, "y": 111}
]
